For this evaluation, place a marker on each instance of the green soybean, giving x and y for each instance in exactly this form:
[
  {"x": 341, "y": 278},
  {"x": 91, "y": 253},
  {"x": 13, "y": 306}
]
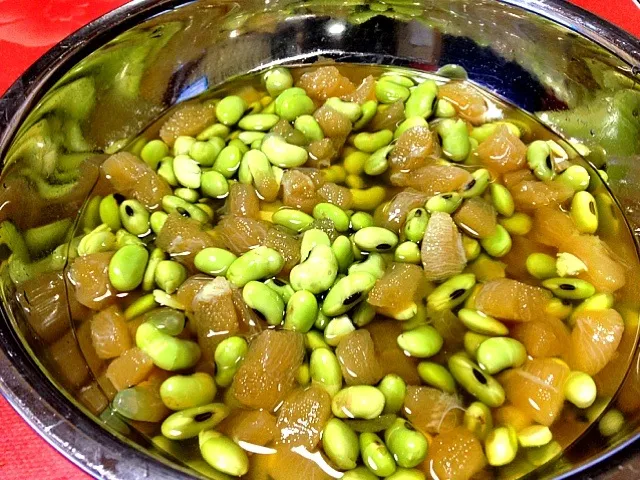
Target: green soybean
[
  {"x": 265, "y": 300},
  {"x": 518, "y": 224},
  {"x": 569, "y": 288},
  {"x": 230, "y": 109},
  {"x": 292, "y": 219},
  {"x": 534, "y": 436},
  {"x": 340, "y": 443},
  {"x": 343, "y": 252},
  {"x": 584, "y": 212},
  {"x": 310, "y": 127},
  {"x": 222, "y": 453},
  {"x": 369, "y": 110},
  {"x": 187, "y": 194},
  {"x": 167, "y": 352},
  {"x": 337, "y": 329},
  {"x": 110, "y": 212},
  {"x": 394, "y": 389},
  {"x": 502, "y": 199},
  {"x": 409, "y": 123},
  {"x": 444, "y": 202},
  {"x": 166, "y": 172},
  {"x": 317, "y": 273},
  {"x": 260, "y": 122},
  {"x": 214, "y": 184},
  {"x": 479, "y": 322},
  {"x": 359, "y": 473},
  {"x": 375, "y": 455},
  {"x": 325, "y": 369},
  {"x": 188, "y": 391},
  {"x": 101, "y": 239},
  {"x": 482, "y": 386},
  {"x": 139, "y": 403},
  {"x": 375, "y": 239},
  {"x": 153, "y": 152},
  {"x": 611, "y": 423},
  {"x": 167, "y": 320},
  {"x": 478, "y": 420},
  {"x": 205, "y": 153},
  {"x": 228, "y": 355},
  {"x": 302, "y": 310},
  {"x": 214, "y": 261},
  {"x": 422, "y": 100},
  {"x": 351, "y": 110},
  {"x": 477, "y": 185},
  {"x": 377, "y": 163},
  {"x": 539, "y": 160},
  {"x": 363, "y": 314},
  {"x": 173, "y": 204},
  {"x": 293, "y": 103},
  {"x": 281, "y": 287},
  {"x": 455, "y": 139},
  {"x": 541, "y": 265},
  {"x": 390, "y": 92},
  {"x": 127, "y": 266},
  {"x": 472, "y": 342},
  {"x": 124, "y": 238},
  {"x": 216, "y": 130},
  {"x": 501, "y": 446},
  {"x": 416, "y": 224},
  {"x": 253, "y": 139},
  {"x": 374, "y": 264},
  {"x": 407, "y": 445},
  {"x": 334, "y": 213},
  {"x": 497, "y": 353},
  {"x": 257, "y": 264},
  {"x": 498, "y": 244},
  {"x": 228, "y": 161},
  {"x": 156, "y": 221},
  {"x": 182, "y": 145},
  {"x": 452, "y": 293},
  {"x": 187, "y": 171},
  {"x": 347, "y": 293},
  {"x": 371, "y": 142},
  {"x": 575, "y": 177},
  {"x": 169, "y": 275},
  {"x": 472, "y": 248},
  {"x": 359, "y": 401},
  {"x": 142, "y": 305},
  {"x": 437, "y": 376},
  {"x": 445, "y": 109},
  {"x": 277, "y": 80},
  {"x": 190, "y": 422},
  {"x": 421, "y": 342},
  {"x": 407, "y": 252}
]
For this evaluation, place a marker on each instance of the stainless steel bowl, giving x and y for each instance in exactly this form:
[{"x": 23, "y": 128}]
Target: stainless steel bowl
[{"x": 114, "y": 76}]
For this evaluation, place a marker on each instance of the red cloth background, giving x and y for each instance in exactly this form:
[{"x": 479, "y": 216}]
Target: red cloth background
[{"x": 28, "y": 28}]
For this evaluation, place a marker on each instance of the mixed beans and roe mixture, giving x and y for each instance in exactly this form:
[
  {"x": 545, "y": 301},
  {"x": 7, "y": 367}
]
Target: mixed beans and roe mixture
[{"x": 318, "y": 275}]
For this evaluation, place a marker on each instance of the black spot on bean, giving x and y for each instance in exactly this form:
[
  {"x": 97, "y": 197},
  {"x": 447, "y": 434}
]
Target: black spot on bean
[
  {"x": 548, "y": 162},
  {"x": 183, "y": 212},
  {"x": 592, "y": 208},
  {"x": 418, "y": 214},
  {"x": 129, "y": 210},
  {"x": 383, "y": 246},
  {"x": 203, "y": 417},
  {"x": 470, "y": 185},
  {"x": 567, "y": 286},
  {"x": 278, "y": 282},
  {"x": 446, "y": 196},
  {"x": 433, "y": 103},
  {"x": 354, "y": 297},
  {"x": 479, "y": 377},
  {"x": 457, "y": 293}
]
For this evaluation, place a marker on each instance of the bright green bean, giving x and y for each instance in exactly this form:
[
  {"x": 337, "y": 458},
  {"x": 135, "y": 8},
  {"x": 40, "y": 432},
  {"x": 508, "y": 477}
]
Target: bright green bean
[
  {"x": 127, "y": 266},
  {"x": 230, "y": 109},
  {"x": 340, "y": 443},
  {"x": 371, "y": 142},
  {"x": 214, "y": 261},
  {"x": 444, "y": 202},
  {"x": 190, "y": 422},
  {"x": 375, "y": 455},
  {"x": 498, "y": 353},
  {"x": 334, "y": 213},
  {"x": 302, "y": 310},
  {"x": 153, "y": 152},
  {"x": 347, "y": 292},
  {"x": 222, "y": 453},
  {"x": 265, "y": 300},
  {"x": 259, "y": 263},
  {"x": 479, "y": 322},
  {"x": 482, "y": 386},
  {"x": 187, "y": 171},
  {"x": 337, "y": 329},
  {"x": 188, "y": 391},
  {"x": 452, "y": 292},
  {"x": 584, "y": 212},
  {"x": 437, "y": 376},
  {"x": 498, "y": 244},
  {"x": 277, "y": 80},
  {"x": 317, "y": 273},
  {"x": 281, "y": 287},
  {"x": 407, "y": 445},
  {"x": 421, "y": 342},
  {"x": 167, "y": 352},
  {"x": 501, "y": 446},
  {"x": 214, "y": 184},
  {"x": 478, "y": 419},
  {"x": 228, "y": 161},
  {"x": 539, "y": 160},
  {"x": 455, "y": 139},
  {"x": 351, "y": 110},
  {"x": 569, "y": 288},
  {"x": 325, "y": 368}
]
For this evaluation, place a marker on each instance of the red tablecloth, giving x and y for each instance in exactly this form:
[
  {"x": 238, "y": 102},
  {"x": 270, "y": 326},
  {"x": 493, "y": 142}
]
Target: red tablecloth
[{"x": 28, "y": 28}]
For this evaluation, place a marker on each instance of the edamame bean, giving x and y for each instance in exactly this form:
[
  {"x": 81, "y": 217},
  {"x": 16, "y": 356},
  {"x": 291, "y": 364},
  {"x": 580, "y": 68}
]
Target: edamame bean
[
  {"x": 584, "y": 212},
  {"x": 534, "y": 436},
  {"x": 187, "y": 194},
  {"x": 359, "y": 401},
  {"x": 538, "y": 456},
  {"x": 354, "y": 162},
  {"x": 260, "y": 122},
  {"x": 472, "y": 248},
  {"x": 277, "y": 80},
  {"x": 343, "y": 252},
  {"x": 169, "y": 275},
  {"x": 472, "y": 342},
  {"x": 421, "y": 342},
  {"x": 372, "y": 142},
  {"x": 407, "y": 445},
  {"x": 228, "y": 161},
  {"x": 498, "y": 353},
  {"x": 325, "y": 369},
  {"x": 217, "y": 130},
  {"x": 367, "y": 199},
  {"x": 375, "y": 239},
  {"x": 310, "y": 239},
  {"x": 437, "y": 376},
  {"x": 337, "y": 329},
  {"x": 374, "y": 264},
  {"x": 317, "y": 273},
  {"x": 230, "y": 109},
  {"x": 389, "y": 92},
  {"x": 445, "y": 109},
  {"x": 101, "y": 239},
  {"x": 375, "y": 455},
  {"x": 110, "y": 211},
  {"x": 214, "y": 184},
  {"x": 407, "y": 252},
  {"x": 182, "y": 145},
  {"x": 190, "y": 422},
  {"x": 377, "y": 163},
  {"x": 518, "y": 224},
  {"x": 611, "y": 423},
  {"x": 539, "y": 160},
  {"x": 599, "y": 301},
  {"x": 167, "y": 352},
  {"x": 142, "y": 305},
  {"x": 340, "y": 443},
  {"x": 173, "y": 204},
  {"x": 422, "y": 100},
  {"x": 222, "y": 453},
  {"x": 498, "y": 244},
  {"x": 214, "y": 261},
  {"x": 310, "y": 127},
  {"x": 302, "y": 311},
  {"x": 482, "y": 386},
  {"x": 351, "y": 110},
  {"x": 139, "y": 403},
  {"x": 394, "y": 389},
  {"x": 165, "y": 171},
  {"x": 444, "y": 202},
  {"x": 569, "y": 288},
  {"x": 501, "y": 446},
  {"x": 398, "y": 79},
  {"x": 228, "y": 355},
  {"x": 264, "y": 300},
  {"x": 541, "y": 265},
  {"x": 167, "y": 320},
  {"x": 303, "y": 375},
  {"x": 363, "y": 314},
  {"x": 369, "y": 110},
  {"x": 580, "y": 389},
  {"x": 477, "y": 185},
  {"x": 455, "y": 139},
  {"x": 187, "y": 171},
  {"x": 502, "y": 199},
  {"x": 127, "y": 266},
  {"x": 153, "y": 152},
  {"x": 282, "y": 154},
  {"x": 575, "y": 177},
  {"x": 479, "y": 322},
  {"x": 409, "y": 123},
  {"x": 416, "y": 224},
  {"x": 321, "y": 322},
  {"x": 259, "y": 263},
  {"x": 334, "y": 174},
  {"x": 281, "y": 287},
  {"x": 205, "y": 153},
  {"x": 253, "y": 139},
  {"x": 452, "y": 293},
  {"x": 478, "y": 419},
  {"x": 334, "y": 213},
  {"x": 188, "y": 391},
  {"x": 293, "y": 103},
  {"x": 124, "y": 238},
  {"x": 347, "y": 293}
]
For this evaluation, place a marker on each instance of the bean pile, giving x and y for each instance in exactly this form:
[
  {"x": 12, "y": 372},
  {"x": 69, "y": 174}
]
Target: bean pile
[{"x": 382, "y": 279}]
